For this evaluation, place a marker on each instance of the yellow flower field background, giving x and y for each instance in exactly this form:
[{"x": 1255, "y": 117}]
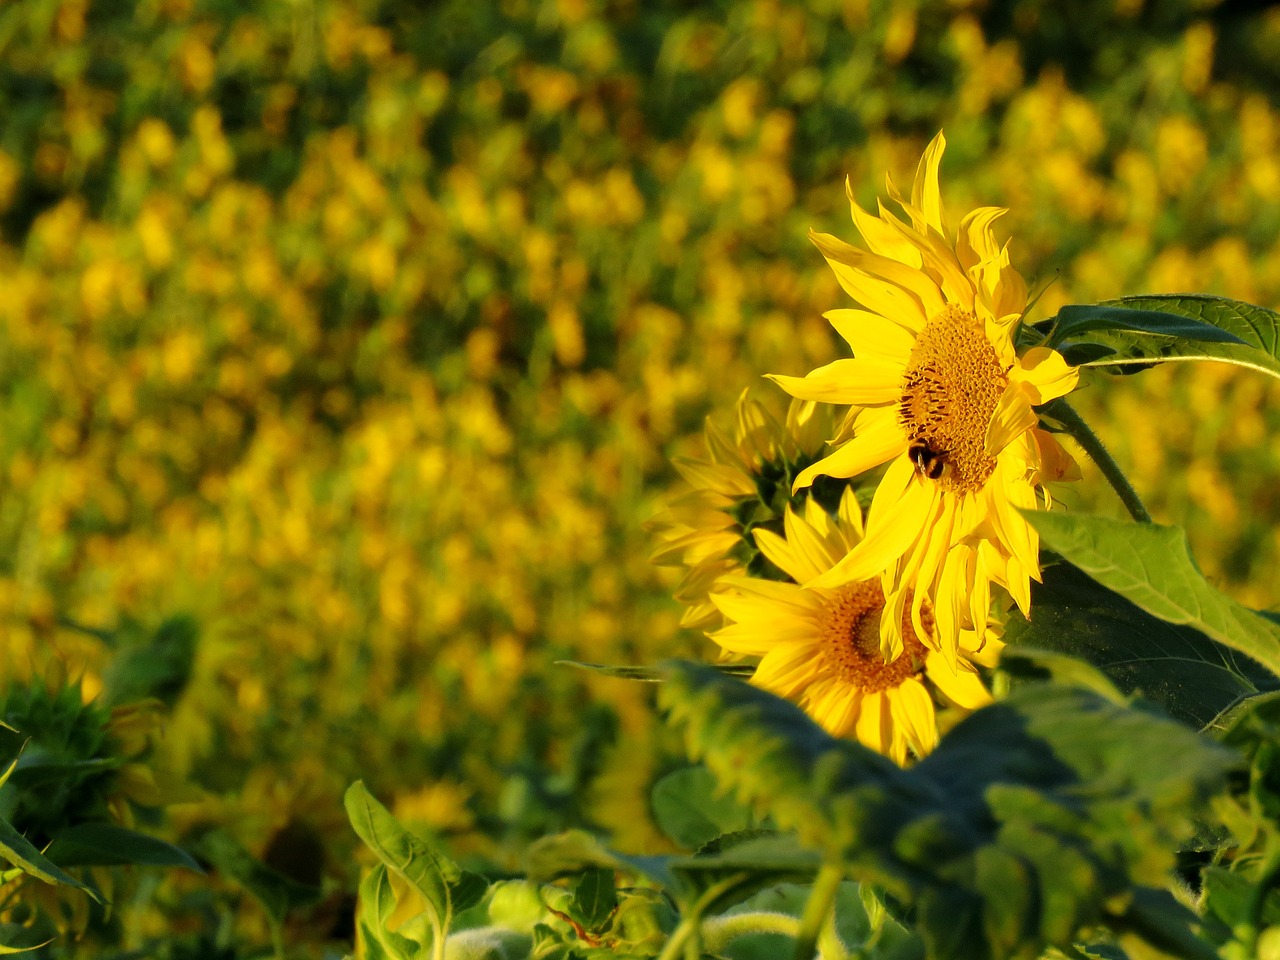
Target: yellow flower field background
[{"x": 362, "y": 333}]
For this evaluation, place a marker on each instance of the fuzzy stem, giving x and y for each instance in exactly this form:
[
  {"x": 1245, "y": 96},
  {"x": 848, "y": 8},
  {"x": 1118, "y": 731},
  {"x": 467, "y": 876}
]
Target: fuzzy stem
[
  {"x": 816, "y": 911},
  {"x": 718, "y": 931},
  {"x": 687, "y": 936},
  {"x": 1075, "y": 425}
]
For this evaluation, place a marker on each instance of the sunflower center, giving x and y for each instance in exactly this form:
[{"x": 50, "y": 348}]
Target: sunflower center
[
  {"x": 850, "y": 645},
  {"x": 952, "y": 384}
]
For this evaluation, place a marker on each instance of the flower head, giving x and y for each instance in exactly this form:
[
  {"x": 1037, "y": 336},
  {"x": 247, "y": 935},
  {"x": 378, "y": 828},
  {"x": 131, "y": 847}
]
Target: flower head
[
  {"x": 743, "y": 484},
  {"x": 937, "y": 392},
  {"x": 820, "y": 646}
]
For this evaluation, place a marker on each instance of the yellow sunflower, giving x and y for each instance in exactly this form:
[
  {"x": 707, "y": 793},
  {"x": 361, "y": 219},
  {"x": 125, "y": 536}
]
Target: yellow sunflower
[
  {"x": 744, "y": 481},
  {"x": 938, "y": 393},
  {"x": 820, "y": 646}
]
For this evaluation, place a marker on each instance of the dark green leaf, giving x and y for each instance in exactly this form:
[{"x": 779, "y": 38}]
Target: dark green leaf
[
  {"x": 1083, "y": 799},
  {"x": 15, "y": 848},
  {"x": 594, "y": 898},
  {"x": 653, "y": 674},
  {"x": 1155, "y": 917},
  {"x": 1075, "y": 320},
  {"x": 1151, "y": 566},
  {"x": 691, "y": 808},
  {"x": 1229, "y": 897},
  {"x": 446, "y": 887},
  {"x": 277, "y": 893},
  {"x": 16, "y": 938},
  {"x": 743, "y": 864},
  {"x": 107, "y": 844},
  {"x": 1257, "y": 327},
  {"x": 1191, "y": 676},
  {"x": 574, "y": 852}
]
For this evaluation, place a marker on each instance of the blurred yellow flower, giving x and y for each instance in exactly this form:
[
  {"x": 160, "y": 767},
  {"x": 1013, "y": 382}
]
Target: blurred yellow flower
[
  {"x": 820, "y": 647},
  {"x": 938, "y": 392}
]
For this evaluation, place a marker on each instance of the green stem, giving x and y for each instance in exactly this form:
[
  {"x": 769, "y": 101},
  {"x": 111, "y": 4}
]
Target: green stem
[
  {"x": 1074, "y": 424},
  {"x": 688, "y": 934},
  {"x": 1266, "y": 879},
  {"x": 817, "y": 910},
  {"x": 719, "y": 931}
]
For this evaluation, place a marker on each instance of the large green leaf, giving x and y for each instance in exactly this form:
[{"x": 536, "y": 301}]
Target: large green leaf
[
  {"x": 19, "y": 851},
  {"x": 107, "y": 844},
  {"x": 446, "y": 887},
  {"x": 595, "y": 896},
  {"x": 738, "y": 865},
  {"x": 1257, "y": 327},
  {"x": 1036, "y": 817},
  {"x": 1151, "y": 566},
  {"x": 1193, "y": 677},
  {"x": 692, "y": 809},
  {"x": 1075, "y": 320}
]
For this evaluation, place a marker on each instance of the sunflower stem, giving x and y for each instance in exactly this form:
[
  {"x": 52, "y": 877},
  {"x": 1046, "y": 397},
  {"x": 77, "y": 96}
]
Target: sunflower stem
[
  {"x": 817, "y": 910},
  {"x": 1075, "y": 425}
]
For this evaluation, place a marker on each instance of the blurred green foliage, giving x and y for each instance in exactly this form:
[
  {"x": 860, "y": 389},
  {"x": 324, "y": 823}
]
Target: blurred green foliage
[{"x": 360, "y": 332}]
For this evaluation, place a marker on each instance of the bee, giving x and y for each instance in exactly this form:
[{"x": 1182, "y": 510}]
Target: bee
[{"x": 930, "y": 463}]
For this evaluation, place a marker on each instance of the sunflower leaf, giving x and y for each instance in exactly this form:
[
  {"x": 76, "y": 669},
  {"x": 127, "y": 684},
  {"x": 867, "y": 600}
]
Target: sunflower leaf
[
  {"x": 446, "y": 887},
  {"x": 690, "y": 808},
  {"x": 1253, "y": 333},
  {"x": 377, "y": 905},
  {"x": 1037, "y": 817},
  {"x": 1074, "y": 320},
  {"x": 595, "y": 897},
  {"x": 1193, "y": 677},
  {"x": 19, "y": 851},
  {"x": 108, "y": 844},
  {"x": 1151, "y": 566},
  {"x": 744, "y": 863}
]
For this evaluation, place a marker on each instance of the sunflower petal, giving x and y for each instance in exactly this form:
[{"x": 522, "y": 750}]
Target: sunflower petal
[
  {"x": 1012, "y": 417},
  {"x": 1046, "y": 373},
  {"x": 871, "y": 335},
  {"x": 925, "y": 193},
  {"x": 852, "y": 380},
  {"x": 962, "y": 686},
  {"x": 891, "y": 530}
]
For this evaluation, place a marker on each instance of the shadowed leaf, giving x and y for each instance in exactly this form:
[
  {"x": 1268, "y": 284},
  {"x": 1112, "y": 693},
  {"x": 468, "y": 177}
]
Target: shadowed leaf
[
  {"x": 1193, "y": 677},
  {"x": 446, "y": 887},
  {"x": 15, "y": 848},
  {"x": 1036, "y": 817},
  {"x": 1256, "y": 328},
  {"x": 1151, "y": 566}
]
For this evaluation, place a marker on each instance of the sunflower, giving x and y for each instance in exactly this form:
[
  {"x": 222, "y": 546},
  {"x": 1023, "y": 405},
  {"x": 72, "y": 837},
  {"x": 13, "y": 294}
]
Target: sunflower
[
  {"x": 939, "y": 394},
  {"x": 820, "y": 646},
  {"x": 743, "y": 483}
]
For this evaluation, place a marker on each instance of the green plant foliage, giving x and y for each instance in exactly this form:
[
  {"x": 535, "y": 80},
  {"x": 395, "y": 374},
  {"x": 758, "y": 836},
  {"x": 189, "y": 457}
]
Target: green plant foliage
[
  {"x": 15, "y": 848},
  {"x": 1073, "y": 321},
  {"x": 1036, "y": 817},
  {"x": 445, "y": 887},
  {"x": 1151, "y": 566},
  {"x": 108, "y": 844},
  {"x": 595, "y": 898},
  {"x": 1250, "y": 334},
  {"x": 693, "y": 810},
  {"x": 277, "y": 893},
  {"x": 1192, "y": 677}
]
